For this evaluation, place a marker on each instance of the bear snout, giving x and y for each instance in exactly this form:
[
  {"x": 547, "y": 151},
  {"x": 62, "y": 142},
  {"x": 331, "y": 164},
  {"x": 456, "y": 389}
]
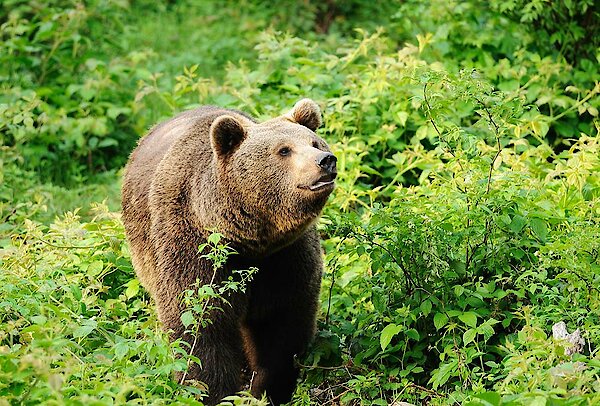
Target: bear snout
[{"x": 327, "y": 162}]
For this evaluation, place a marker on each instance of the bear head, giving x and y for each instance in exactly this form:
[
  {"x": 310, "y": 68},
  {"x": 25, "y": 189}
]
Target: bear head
[{"x": 276, "y": 175}]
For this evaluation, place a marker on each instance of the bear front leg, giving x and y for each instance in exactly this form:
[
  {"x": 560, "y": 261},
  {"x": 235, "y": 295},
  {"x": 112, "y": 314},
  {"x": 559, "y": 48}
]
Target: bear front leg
[
  {"x": 280, "y": 322},
  {"x": 178, "y": 267},
  {"x": 271, "y": 347},
  {"x": 218, "y": 346}
]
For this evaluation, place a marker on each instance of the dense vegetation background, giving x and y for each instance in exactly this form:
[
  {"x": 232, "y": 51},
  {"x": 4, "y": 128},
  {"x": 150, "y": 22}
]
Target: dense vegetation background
[{"x": 465, "y": 223}]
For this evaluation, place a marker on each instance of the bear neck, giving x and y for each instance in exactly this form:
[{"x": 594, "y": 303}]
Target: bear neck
[{"x": 251, "y": 232}]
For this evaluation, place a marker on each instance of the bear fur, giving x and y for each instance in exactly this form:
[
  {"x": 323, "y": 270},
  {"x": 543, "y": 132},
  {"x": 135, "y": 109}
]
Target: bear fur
[{"x": 262, "y": 186}]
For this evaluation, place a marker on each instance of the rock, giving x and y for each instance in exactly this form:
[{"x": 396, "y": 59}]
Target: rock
[{"x": 575, "y": 341}]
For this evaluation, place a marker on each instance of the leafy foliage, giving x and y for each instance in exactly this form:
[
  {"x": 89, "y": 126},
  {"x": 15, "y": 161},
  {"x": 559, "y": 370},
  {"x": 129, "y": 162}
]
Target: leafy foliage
[
  {"x": 569, "y": 25},
  {"x": 76, "y": 325},
  {"x": 463, "y": 226},
  {"x": 66, "y": 108}
]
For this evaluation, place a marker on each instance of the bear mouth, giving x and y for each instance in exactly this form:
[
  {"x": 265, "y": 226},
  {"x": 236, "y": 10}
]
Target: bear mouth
[{"x": 324, "y": 182}]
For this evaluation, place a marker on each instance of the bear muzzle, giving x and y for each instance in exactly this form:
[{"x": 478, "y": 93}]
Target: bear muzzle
[
  {"x": 324, "y": 182},
  {"x": 326, "y": 161}
]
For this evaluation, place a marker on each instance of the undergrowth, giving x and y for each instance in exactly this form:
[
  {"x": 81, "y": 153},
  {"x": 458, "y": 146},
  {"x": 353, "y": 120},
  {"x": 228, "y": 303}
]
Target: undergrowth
[{"x": 463, "y": 226}]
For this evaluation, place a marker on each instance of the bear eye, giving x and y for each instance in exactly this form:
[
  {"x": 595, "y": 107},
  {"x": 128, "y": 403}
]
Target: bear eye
[
  {"x": 315, "y": 144},
  {"x": 285, "y": 151}
]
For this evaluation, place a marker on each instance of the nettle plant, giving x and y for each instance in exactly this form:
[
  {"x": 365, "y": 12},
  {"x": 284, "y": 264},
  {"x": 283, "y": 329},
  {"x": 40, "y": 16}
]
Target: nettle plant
[{"x": 427, "y": 286}]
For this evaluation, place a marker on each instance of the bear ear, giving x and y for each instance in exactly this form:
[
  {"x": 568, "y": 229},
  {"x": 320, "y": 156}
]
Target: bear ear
[
  {"x": 307, "y": 113},
  {"x": 226, "y": 135}
]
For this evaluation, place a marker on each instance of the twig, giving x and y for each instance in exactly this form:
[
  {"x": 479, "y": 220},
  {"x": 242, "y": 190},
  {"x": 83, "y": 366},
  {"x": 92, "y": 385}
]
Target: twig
[
  {"x": 431, "y": 120},
  {"x": 439, "y": 133},
  {"x": 499, "y": 147},
  {"x": 331, "y": 289},
  {"x": 404, "y": 271},
  {"x": 332, "y": 400},
  {"x": 319, "y": 367},
  {"x": 28, "y": 391},
  {"x": 76, "y": 247},
  {"x": 196, "y": 333},
  {"x": 591, "y": 94},
  {"x": 329, "y": 297}
]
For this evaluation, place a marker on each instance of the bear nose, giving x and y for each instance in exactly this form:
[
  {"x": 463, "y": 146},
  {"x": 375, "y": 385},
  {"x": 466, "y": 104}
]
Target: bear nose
[{"x": 326, "y": 161}]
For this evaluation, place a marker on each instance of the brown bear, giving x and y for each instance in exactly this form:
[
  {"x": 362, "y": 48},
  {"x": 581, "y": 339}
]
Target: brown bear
[{"x": 262, "y": 186}]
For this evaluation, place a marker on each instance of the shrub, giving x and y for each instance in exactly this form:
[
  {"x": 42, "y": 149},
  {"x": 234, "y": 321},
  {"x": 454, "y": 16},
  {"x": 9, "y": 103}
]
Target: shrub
[
  {"x": 567, "y": 26},
  {"x": 76, "y": 325},
  {"x": 65, "y": 106}
]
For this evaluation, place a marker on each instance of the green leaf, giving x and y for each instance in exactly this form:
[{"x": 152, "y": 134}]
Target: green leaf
[
  {"x": 114, "y": 111},
  {"x": 439, "y": 320},
  {"x": 540, "y": 127},
  {"x": 187, "y": 318},
  {"x": 441, "y": 375},
  {"x": 538, "y": 226},
  {"x": 517, "y": 223},
  {"x": 45, "y": 31},
  {"x": 290, "y": 88},
  {"x": 401, "y": 117},
  {"x": 76, "y": 291},
  {"x": 487, "y": 330},
  {"x": 107, "y": 142},
  {"x": 95, "y": 268},
  {"x": 214, "y": 238},
  {"x": 39, "y": 319},
  {"x": 387, "y": 334},
  {"x": 459, "y": 268},
  {"x": 469, "y": 336},
  {"x": 133, "y": 288},
  {"x": 422, "y": 132},
  {"x": 489, "y": 398},
  {"x": 458, "y": 290},
  {"x": 85, "y": 329},
  {"x": 469, "y": 318},
  {"x": 413, "y": 334},
  {"x": 121, "y": 349},
  {"x": 426, "y": 307}
]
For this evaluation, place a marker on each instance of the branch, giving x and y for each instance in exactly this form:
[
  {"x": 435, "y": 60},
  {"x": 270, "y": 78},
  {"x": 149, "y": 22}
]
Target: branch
[
  {"x": 76, "y": 247},
  {"x": 499, "y": 148},
  {"x": 407, "y": 274},
  {"x": 439, "y": 133}
]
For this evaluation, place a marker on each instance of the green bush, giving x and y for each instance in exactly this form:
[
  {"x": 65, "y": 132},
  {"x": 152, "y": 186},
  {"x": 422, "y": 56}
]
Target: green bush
[
  {"x": 569, "y": 26},
  {"x": 65, "y": 105},
  {"x": 76, "y": 326},
  {"x": 429, "y": 288}
]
